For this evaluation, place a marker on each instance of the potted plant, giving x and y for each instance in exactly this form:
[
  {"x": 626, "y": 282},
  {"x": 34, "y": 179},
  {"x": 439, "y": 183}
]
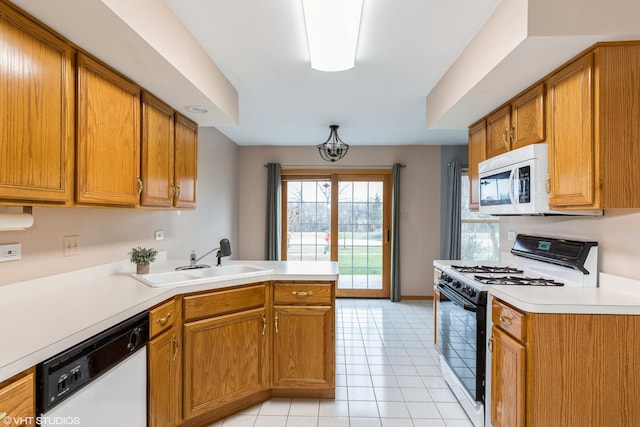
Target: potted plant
[{"x": 142, "y": 257}]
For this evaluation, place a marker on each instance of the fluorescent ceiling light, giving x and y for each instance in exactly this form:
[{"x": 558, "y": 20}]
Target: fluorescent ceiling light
[{"x": 332, "y": 32}]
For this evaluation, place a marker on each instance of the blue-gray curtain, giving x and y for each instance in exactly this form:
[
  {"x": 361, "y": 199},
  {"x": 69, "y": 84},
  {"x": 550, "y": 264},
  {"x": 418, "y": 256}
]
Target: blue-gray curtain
[
  {"x": 274, "y": 207},
  {"x": 395, "y": 234},
  {"x": 452, "y": 221}
]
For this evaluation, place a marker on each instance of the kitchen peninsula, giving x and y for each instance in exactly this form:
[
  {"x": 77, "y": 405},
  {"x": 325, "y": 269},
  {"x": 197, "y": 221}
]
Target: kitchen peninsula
[{"x": 292, "y": 306}]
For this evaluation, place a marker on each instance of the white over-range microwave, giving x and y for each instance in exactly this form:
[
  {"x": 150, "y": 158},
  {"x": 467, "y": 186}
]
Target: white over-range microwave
[{"x": 514, "y": 183}]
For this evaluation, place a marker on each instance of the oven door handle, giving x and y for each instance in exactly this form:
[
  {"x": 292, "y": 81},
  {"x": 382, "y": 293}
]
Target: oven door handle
[{"x": 457, "y": 300}]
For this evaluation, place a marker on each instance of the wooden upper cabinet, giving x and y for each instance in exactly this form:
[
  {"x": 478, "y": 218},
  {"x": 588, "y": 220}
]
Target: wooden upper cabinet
[
  {"x": 108, "y": 132},
  {"x": 186, "y": 161},
  {"x": 477, "y": 146},
  {"x": 519, "y": 123},
  {"x": 157, "y": 152},
  {"x": 498, "y": 127},
  {"x": 527, "y": 118},
  {"x": 571, "y": 139},
  {"x": 37, "y": 104}
]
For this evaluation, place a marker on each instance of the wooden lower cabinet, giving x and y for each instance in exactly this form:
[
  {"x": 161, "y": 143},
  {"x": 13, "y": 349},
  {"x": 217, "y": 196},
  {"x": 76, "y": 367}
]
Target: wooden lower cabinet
[
  {"x": 226, "y": 352},
  {"x": 164, "y": 380},
  {"x": 304, "y": 351},
  {"x": 164, "y": 357},
  {"x": 507, "y": 383},
  {"x": 564, "y": 369},
  {"x": 17, "y": 399}
]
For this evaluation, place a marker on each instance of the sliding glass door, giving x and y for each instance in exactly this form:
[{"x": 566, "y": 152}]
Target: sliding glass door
[{"x": 341, "y": 217}]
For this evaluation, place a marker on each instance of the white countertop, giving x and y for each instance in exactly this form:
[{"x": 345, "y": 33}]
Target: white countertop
[
  {"x": 45, "y": 316},
  {"x": 615, "y": 295}
]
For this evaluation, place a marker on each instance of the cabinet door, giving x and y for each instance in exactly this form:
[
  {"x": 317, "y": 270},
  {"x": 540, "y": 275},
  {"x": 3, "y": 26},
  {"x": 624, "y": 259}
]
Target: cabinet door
[
  {"x": 571, "y": 139},
  {"x": 498, "y": 127},
  {"x": 164, "y": 380},
  {"x": 507, "y": 380},
  {"x": 477, "y": 146},
  {"x": 17, "y": 399},
  {"x": 186, "y": 161},
  {"x": 157, "y": 152},
  {"x": 303, "y": 347},
  {"x": 225, "y": 359},
  {"x": 527, "y": 118},
  {"x": 108, "y": 148},
  {"x": 37, "y": 104}
]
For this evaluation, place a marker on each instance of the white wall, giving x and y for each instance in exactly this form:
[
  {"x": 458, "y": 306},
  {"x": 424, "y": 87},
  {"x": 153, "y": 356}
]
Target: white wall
[
  {"x": 420, "y": 201},
  {"x": 108, "y": 234},
  {"x": 617, "y": 234}
]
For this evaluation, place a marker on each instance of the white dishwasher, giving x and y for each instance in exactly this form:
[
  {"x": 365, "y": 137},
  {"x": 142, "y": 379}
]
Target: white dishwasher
[{"x": 101, "y": 382}]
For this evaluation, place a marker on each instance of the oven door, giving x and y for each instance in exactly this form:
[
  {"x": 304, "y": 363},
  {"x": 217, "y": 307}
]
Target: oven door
[{"x": 461, "y": 336}]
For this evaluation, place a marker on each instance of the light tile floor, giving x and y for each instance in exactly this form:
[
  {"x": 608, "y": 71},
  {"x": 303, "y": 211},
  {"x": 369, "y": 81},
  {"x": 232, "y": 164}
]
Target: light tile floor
[{"x": 387, "y": 375}]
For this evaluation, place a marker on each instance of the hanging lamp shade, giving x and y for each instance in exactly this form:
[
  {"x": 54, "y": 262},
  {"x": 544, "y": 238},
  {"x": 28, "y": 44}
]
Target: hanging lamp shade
[{"x": 333, "y": 149}]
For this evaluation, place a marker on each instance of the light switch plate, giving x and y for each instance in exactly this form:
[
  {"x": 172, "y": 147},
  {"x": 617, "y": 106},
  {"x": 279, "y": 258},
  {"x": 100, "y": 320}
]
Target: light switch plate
[
  {"x": 71, "y": 245},
  {"x": 10, "y": 252}
]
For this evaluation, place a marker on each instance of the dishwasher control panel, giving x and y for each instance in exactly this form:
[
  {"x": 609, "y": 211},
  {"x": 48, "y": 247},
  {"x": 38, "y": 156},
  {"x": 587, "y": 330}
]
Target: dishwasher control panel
[{"x": 64, "y": 374}]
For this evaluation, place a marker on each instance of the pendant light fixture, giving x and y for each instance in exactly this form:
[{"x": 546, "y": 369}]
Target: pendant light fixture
[{"x": 333, "y": 149}]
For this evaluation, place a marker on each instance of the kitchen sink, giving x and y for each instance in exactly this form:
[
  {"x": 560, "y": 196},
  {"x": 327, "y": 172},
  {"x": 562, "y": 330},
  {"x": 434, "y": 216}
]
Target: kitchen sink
[{"x": 201, "y": 275}]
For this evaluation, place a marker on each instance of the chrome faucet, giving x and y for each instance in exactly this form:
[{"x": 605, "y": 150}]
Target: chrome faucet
[{"x": 223, "y": 250}]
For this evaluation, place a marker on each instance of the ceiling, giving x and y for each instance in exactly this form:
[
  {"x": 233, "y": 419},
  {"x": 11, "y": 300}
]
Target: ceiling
[
  {"x": 404, "y": 49},
  {"x": 424, "y": 70}
]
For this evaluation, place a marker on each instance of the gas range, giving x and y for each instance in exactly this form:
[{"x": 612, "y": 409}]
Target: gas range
[
  {"x": 539, "y": 261},
  {"x": 461, "y": 305}
]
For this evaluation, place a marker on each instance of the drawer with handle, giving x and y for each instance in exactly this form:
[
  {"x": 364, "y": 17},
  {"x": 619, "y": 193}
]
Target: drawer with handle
[
  {"x": 302, "y": 293},
  {"x": 509, "y": 319},
  {"x": 162, "y": 318}
]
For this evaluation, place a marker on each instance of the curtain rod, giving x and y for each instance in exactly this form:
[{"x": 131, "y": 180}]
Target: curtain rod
[{"x": 402, "y": 165}]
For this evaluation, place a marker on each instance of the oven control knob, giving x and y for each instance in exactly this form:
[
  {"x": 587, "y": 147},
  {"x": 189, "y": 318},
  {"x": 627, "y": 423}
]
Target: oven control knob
[
  {"x": 445, "y": 278},
  {"x": 472, "y": 293},
  {"x": 456, "y": 284}
]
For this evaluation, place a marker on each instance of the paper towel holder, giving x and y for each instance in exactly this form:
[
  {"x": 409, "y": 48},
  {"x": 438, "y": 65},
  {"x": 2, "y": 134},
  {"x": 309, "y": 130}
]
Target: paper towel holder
[{"x": 17, "y": 221}]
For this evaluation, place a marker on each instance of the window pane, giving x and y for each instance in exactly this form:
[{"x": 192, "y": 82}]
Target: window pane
[
  {"x": 480, "y": 241},
  {"x": 308, "y": 220}
]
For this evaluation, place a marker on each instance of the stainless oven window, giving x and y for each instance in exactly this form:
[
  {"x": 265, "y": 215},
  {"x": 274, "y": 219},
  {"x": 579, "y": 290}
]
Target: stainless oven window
[{"x": 461, "y": 326}]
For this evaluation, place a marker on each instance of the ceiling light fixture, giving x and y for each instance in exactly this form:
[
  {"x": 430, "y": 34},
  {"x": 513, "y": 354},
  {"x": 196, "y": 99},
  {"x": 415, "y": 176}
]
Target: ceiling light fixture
[
  {"x": 333, "y": 149},
  {"x": 332, "y": 32},
  {"x": 198, "y": 109}
]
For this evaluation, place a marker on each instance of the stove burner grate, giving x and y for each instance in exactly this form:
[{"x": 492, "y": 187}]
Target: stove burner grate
[
  {"x": 513, "y": 280},
  {"x": 486, "y": 269}
]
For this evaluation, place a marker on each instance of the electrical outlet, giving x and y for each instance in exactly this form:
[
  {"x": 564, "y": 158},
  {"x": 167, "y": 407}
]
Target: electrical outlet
[
  {"x": 404, "y": 216},
  {"x": 511, "y": 236},
  {"x": 71, "y": 245},
  {"x": 159, "y": 235},
  {"x": 10, "y": 252}
]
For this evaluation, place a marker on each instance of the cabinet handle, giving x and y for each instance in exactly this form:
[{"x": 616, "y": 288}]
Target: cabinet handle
[
  {"x": 276, "y": 317},
  {"x": 264, "y": 324},
  {"x": 163, "y": 320},
  {"x": 173, "y": 192},
  {"x": 302, "y": 293},
  {"x": 140, "y": 186},
  {"x": 505, "y": 320},
  {"x": 512, "y": 132},
  {"x": 176, "y": 346},
  {"x": 547, "y": 184},
  {"x": 3, "y": 414},
  {"x": 504, "y": 136},
  {"x": 490, "y": 344},
  {"x": 178, "y": 190}
]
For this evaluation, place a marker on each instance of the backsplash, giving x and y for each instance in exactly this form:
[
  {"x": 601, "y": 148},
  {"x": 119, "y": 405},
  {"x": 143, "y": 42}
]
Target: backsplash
[{"x": 617, "y": 234}]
